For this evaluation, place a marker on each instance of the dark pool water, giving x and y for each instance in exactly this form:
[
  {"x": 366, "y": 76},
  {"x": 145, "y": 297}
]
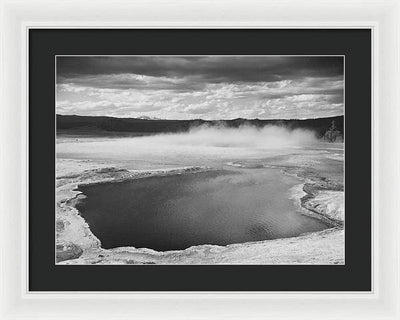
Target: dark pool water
[{"x": 176, "y": 212}]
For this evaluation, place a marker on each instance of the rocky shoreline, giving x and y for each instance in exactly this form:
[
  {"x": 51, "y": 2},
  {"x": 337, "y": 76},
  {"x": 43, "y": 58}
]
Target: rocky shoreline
[
  {"x": 319, "y": 191},
  {"x": 76, "y": 244}
]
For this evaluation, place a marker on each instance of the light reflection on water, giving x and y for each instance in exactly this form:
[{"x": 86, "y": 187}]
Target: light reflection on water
[
  {"x": 231, "y": 205},
  {"x": 176, "y": 212}
]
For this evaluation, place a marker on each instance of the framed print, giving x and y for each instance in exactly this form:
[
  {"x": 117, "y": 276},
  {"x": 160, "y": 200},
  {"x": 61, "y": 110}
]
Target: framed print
[
  {"x": 205, "y": 162},
  {"x": 199, "y": 165}
]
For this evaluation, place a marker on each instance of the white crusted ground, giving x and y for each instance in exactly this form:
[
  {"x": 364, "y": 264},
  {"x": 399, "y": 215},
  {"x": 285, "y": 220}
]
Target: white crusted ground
[
  {"x": 330, "y": 203},
  {"x": 76, "y": 244},
  {"x": 325, "y": 247}
]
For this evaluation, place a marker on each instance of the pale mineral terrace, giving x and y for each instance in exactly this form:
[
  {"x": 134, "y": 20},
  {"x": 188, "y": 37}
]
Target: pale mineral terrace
[{"x": 76, "y": 244}]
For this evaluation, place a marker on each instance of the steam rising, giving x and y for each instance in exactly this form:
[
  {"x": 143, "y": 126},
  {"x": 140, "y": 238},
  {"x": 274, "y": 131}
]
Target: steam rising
[
  {"x": 200, "y": 146},
  {"x": 242, "y": 137}
]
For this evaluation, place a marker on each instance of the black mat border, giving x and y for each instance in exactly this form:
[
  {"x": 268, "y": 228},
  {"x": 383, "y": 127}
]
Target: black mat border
[{"x": 355, "y": 44}]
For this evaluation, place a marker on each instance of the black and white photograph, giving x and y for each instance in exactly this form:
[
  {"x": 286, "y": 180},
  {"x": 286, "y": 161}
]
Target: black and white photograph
[
  {"x": 228, "y": 161},
  {"x": 200, "y": 159}
]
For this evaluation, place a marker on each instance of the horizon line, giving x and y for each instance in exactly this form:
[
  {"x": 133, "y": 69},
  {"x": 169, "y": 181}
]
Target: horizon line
[{"x": 193, "y": 119}]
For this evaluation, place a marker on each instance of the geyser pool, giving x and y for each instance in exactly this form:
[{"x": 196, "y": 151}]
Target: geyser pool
[{"x": 175, "y": 212}]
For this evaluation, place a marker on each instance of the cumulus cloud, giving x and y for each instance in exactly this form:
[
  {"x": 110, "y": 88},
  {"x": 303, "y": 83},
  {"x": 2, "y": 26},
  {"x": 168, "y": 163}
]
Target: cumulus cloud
[{"x": 208, "y": 87}]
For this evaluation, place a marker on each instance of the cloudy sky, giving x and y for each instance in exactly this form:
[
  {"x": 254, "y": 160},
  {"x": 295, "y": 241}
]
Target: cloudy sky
[{"x": 207, "y": 87}]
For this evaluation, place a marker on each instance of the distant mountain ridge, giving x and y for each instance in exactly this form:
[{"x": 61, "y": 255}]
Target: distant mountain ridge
[
  {"x": 145, "y": 125},
  {"x": 148, "y": 118}
]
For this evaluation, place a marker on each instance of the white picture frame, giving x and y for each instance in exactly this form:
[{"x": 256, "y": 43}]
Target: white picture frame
[{"x": 382, "y": 17}]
